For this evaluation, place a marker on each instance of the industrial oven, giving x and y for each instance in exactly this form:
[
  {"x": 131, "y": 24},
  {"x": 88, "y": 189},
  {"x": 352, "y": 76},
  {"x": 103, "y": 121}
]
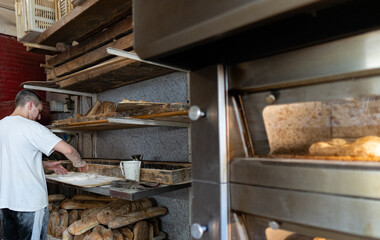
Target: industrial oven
[{"x": 282, "y": 109}]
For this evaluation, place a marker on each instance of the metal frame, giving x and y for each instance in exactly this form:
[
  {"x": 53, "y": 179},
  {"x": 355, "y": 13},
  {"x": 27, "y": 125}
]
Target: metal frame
[
  {"x": 93, "y": 96},
  {"x": 351, "y": 57},
  {"x": 125, "y": 54},
  {"x": 145, "y": 122},
  {"x": 210, "y": 188}
]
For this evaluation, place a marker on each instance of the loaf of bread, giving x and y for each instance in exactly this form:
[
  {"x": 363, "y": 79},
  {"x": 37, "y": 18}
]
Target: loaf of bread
[
  {"x": 117, "y": 235},
  {"x": 151, "y": 232},
  {"x": 363, "y": 147},
  {"x": 133, "y": 217},
  {"x": 59, "y": 231},
  {"x": 127, "y": 233},
  {"x": 56, "y": 197},
  {"x": 73, "y": 204},
  {"x": 82, "y": 225},
  {"x": 63, "y": 218},
  {"x": 95, "y": 234},
  {"x": 50, "y": 207},
  {"x": 73, "y": 216},
  {"x": 67, "y": 236},
  {"x": 106, "y": 233},
  {"x": 155, "y": 225},
  {"x": 54, "y": 222},
  {"x": 104, "y": 216},
  {"x": 141, "y": 231},
  {"x": 92, "y": 198},
  {"x": 82, "y": 236}
]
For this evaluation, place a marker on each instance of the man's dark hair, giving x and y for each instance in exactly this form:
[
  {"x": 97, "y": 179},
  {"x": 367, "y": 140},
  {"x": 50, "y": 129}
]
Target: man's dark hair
[{"x": 25, "y": 96}]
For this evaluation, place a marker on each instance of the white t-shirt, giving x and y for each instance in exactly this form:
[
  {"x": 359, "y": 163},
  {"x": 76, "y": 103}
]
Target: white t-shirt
[{"x": 22, "y": 177}]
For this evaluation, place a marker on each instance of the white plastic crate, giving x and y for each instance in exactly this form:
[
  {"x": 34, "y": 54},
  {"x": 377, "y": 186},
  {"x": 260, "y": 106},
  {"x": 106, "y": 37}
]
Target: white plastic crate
[{"x": 33, "y": 17}]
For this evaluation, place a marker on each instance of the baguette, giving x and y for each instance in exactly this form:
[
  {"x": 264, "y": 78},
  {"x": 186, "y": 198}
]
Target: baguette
[
  {"x": 67, "y": 236},
  {"x": 54, "y": 217},
  {"x": 106, "y": 233},
  {"x": 141, "y": 231},
  {"x": 92, "y": 198},
  {"x": 124, "y": 220},
  {"x": 59, "y": 231},
  {"x": 105, "y": 216},
  {"x": 95, "y": 234},
  {"x": 156, "y": 228},
  {"x": 127, "y": 233},
  {"x": 117, "y": 235},
  {"x": 63, "y": 218},
  {"x": 73, "y": 216},
  {"x": 56, "y": 197},
  {"x": 151, "y": 232},
  {"x": 51, "y": 207},
  {"x": 82, "y": 225},
  {"x": 72, "y": 204},
  {"x": 82, "y": 236}
]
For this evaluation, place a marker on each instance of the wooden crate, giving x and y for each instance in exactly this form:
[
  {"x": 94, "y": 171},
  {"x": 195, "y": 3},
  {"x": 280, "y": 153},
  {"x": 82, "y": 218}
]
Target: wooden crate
[{"x": 152, "y": 171}]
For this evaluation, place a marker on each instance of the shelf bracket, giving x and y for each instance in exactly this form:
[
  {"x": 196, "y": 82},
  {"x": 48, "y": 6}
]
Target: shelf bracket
[
  {"x": 125, "y": 54},
  {"x": 94, "y": 96}
]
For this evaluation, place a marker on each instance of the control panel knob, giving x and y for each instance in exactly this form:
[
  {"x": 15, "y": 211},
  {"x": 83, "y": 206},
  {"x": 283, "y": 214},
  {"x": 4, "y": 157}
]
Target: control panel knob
[
  {"x": 195, "y": 113},
  {"x": 198, "y": 230}
]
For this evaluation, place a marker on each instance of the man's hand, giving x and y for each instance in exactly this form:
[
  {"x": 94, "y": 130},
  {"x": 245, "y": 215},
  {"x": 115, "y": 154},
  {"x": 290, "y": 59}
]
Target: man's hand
[
  {"x": 83, "y": 167},
  {"x": 54, "y": 166}
]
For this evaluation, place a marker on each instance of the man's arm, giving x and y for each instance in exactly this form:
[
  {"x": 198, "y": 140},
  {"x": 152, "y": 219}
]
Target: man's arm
[{"x": 71, "y": 154}]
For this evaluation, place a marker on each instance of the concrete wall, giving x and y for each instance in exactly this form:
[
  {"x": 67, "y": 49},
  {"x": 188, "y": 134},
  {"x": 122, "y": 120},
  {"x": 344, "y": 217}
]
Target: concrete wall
[{"x": 154, "y": 143}]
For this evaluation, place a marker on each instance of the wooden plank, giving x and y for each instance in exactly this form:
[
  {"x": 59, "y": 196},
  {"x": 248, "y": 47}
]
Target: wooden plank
[
  {"x": 99, "y": 39},
  {"x": 41, "y": 84},
  {"x": 151, "y": 171},
  {"x": 100, "y": 180},
  {"x": 83, "y": 20},
  {"x": 91, "y": 58},
  {"x": 164, "y": 114},
  {"x": 111, "y": 75}
]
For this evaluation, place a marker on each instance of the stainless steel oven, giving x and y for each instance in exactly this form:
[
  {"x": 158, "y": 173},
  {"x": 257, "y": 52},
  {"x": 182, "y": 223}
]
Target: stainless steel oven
[
  {"x": 261, "y": 98},
  {"x": 292, "y": 101},
  {"x": 255, "y": 124}
]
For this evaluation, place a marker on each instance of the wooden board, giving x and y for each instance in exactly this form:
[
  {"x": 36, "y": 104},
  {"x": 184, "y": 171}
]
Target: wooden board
[
  {"x": 114, "y": 73},
  {"x": 99, "y": 39},
  {"x": 84, "y": 20},
  {"x": 91, "y": 58},
  {"x": 41, "y": 84},
  {"x": 100, "y": 180},
  {"x": 132, "y": 105},
  {"x": 169, "y": 173}
]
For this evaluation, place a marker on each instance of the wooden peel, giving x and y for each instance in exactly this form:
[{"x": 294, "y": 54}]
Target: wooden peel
[
  {"x": 89, "y": 122},
  {"x": 165, "y": 114}
]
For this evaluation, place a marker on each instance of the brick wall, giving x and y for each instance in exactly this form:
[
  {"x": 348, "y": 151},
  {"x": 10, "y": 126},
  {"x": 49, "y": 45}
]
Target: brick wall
[{"x": 16, "y": 66}]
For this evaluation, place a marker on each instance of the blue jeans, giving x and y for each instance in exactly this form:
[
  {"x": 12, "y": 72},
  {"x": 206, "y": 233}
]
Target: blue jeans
[{"x": 24, "y": 225}]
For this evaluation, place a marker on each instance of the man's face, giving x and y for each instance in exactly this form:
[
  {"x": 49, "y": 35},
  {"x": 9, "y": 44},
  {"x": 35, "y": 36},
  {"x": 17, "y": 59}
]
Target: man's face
[{"x": 35, "y": 112}]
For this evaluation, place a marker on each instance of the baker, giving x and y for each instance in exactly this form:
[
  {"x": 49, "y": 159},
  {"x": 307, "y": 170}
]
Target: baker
[{"x": 23, "y": 190}]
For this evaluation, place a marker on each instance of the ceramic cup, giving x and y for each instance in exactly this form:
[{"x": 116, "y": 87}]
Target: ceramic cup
[{"x": 131, "y": 170}]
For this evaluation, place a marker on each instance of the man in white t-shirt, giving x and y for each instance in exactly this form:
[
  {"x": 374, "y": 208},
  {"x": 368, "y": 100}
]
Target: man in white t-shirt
[{"x": 23, "y": 190}]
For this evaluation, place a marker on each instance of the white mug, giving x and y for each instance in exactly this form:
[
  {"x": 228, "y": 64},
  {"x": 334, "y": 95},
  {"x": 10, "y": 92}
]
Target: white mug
[{"x": 131, "y": 170}]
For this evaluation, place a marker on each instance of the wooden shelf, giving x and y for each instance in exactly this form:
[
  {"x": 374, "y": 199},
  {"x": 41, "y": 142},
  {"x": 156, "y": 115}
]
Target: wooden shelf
[
  {"x": 127, "y": 194},
  {"x": 108, "y": 75},
  {"x": 119, "y": 123},
  {"x": 83, "y": 21}
]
